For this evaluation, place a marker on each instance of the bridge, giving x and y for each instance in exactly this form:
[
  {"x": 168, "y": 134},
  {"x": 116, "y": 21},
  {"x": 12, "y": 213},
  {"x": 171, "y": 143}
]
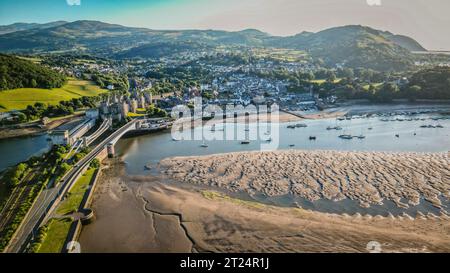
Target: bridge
[
  {"x": 50, "y": 198},
  {"x": 107, "y": 123},
  {"x": 86, "y": 141}
]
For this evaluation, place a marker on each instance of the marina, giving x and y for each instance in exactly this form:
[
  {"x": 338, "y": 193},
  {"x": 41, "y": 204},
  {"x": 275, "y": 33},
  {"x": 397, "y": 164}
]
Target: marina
[{"x": 137, "y": 151}]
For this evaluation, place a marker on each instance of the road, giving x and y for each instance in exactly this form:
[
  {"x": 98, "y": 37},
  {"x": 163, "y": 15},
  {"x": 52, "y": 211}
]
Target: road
[{"x": 50, "y": 197}]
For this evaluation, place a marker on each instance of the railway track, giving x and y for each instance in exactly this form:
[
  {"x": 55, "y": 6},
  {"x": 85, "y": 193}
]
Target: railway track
[{"x": 15, "y": 199}]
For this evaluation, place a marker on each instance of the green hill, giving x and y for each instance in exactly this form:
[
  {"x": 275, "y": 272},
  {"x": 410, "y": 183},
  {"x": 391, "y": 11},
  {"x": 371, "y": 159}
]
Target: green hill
[
  {"x": 19, "y": 73},
  {"x": 19, "y": 99},
  {"x": 354, "y": 46},
  {"x": 27, "y": 26}
]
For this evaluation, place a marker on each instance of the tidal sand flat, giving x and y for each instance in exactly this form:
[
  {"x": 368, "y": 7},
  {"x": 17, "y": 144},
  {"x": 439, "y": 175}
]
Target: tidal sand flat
[
  {"x": 145, "y": 214},
  {"x": 370, "y": 178}
]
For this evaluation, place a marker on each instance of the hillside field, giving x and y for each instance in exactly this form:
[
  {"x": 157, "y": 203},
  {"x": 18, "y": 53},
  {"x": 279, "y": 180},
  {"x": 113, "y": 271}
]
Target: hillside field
[{"x": 18, "y": 99}]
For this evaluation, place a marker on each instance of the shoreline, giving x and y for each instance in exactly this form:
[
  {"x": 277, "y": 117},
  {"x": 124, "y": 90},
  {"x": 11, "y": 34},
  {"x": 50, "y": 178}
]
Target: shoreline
[
  {"x": 33, "y": 129},
  {"x": 146, "y": 215}
]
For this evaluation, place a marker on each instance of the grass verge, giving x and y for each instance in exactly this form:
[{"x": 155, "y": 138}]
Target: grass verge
[
  {"x": 52, "y": 236},
  {"x": 76, "y": 194}
]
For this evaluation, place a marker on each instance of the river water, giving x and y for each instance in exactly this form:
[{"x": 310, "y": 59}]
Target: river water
[
  {"x": 16, "y": 150},
  {"x": 137, "y": 152}
]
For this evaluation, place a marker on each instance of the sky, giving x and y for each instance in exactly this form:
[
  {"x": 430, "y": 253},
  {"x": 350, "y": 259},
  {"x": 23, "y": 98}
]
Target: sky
[{"x": 427, "y": 21}]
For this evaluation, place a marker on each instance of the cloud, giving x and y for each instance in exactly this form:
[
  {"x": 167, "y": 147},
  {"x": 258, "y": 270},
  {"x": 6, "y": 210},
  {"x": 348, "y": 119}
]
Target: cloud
[
  {"x": 73, "y": 2},
  {"x": 373, "y": 2}
]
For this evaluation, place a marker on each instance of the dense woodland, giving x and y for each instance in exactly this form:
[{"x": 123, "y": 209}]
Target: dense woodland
[
  {"x": 19, "y": 73},
  {"x": 429, "y": 84}
]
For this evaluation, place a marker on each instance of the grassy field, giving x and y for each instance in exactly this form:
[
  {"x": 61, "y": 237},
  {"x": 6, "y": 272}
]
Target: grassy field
[
  {"x": 18, "y": 99},
  {"x": 76, "y": 194},
  {"x": 322, "y": 81},
  {"x": 31, "y": 59},
  {"x": 56, "y": 235},
  {"x": 376, "y": 85}
]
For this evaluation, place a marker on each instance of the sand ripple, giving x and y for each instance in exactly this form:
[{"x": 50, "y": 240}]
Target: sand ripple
[{"x": 367, "y": 177}]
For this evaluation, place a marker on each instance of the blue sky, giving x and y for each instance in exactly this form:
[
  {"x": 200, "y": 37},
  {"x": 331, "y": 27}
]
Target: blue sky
[{"x": 425, "y": 20}]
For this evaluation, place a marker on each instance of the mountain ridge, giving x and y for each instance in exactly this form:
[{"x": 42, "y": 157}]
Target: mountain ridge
[
  {"x": 19, "y": 26},
  {"x": 354, "y": 45}
]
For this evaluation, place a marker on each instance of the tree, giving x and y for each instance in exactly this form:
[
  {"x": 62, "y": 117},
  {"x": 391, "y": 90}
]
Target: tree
[
  {"x": 386, "y": 93},
  {"x": 155, "y": 112},
  {"x": 331, "y": 77},
  {"x": 413, "y": 92},
  {"x": 95, "y": 164}
]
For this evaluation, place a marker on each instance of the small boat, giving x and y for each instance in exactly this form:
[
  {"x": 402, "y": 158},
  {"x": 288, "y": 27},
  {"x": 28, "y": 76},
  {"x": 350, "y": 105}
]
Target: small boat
[
  {"x": 269, "y": 140},
  {"x": 361, "y": 136},
  {"x": 148, "y": 167},
  {"x": 312, "y": 138},
  {"x": 291, "y": 126},
  {"x": 439, "y": 126},
  {"x": 245, "y": 142},
  {"x": 267, "y": 133},
  {"x": 346, "y": 136},
  {"x": 291, "y": 145},
  {"x": 204, "y": 145},
  {"x": 397, "y": 135},
  {"x": 337, "y": 128},
  {"x": 370, "y": 128},
  {"x": 213, "y": 128},
  {"x": 301, "y": 125},
  {"x": 174, "y": 139}
]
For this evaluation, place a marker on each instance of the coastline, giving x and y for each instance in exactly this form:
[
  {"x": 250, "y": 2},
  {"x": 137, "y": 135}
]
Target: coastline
[{"x": 144, "y": 214}]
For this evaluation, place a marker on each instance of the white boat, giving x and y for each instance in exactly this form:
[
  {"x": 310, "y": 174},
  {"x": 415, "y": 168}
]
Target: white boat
[{"x": 204, "y": 145}]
